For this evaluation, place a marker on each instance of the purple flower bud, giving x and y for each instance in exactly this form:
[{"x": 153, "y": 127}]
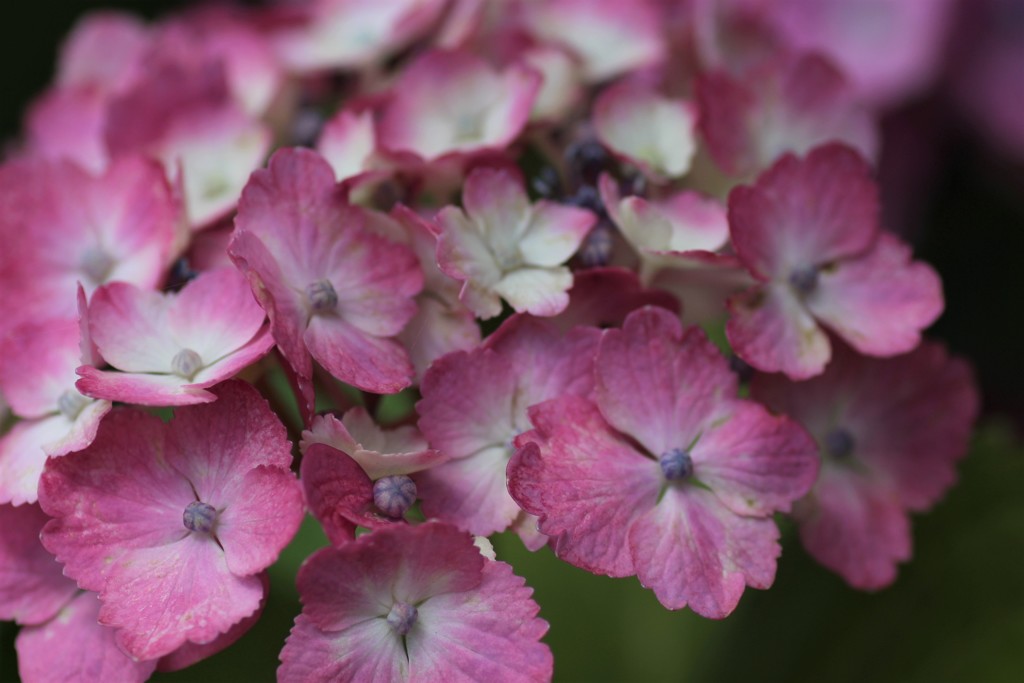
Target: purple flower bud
[
  {"x": 199, "y": 516},
  {"x": 186, "y": 363},
  {"x": 676, "y": 464},
  {"x": 804, "y": 279},
  {"x": 402, "y": 617},
  {"x": 394, "y": 494},
  {"x": 321, "y": 296},
  {"x": 839, "y": 443}
]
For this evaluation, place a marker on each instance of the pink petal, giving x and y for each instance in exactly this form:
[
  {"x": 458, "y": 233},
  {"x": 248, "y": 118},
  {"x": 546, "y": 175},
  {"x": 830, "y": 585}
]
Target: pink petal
[
  {"x": 129, "y": 327},
  {"x": 540, "y": 291},
  {"x": 880, "y": 302},
  {"x": 37, "y": 362},
  {"x": 22, "y": 457},
  {"x": 339, "y": 493},
  {"x": 489, "y": 633},
  {"x": 555, "y": 233},
  {"x": 694, "y": 551},
  {"x": 659, "y": 384},
  {"x": 368, "y": 651},
  {"x": 586, "y": 484},
  {"x": 855, "y": 527},
  {"x": 603, "y": 297},
  {"x": 371, "y": 363},
  {"x": 32, "y": 585},
  {"x": 470, "y": 492},
  {"x": 803, "y": 212},
  {"x": 74, "y": 647},
  {"x": 772, "y": 330},
  {"x": 142, "y": 389}
]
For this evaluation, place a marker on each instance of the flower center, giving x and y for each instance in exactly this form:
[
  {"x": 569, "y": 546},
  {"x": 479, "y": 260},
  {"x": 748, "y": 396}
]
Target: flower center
[
  {"x": 804, "y": 279},
  {"x": 839, "y": 443},
  {"x": 71, "y": 403},
  {"x": 186, "y": 363},
  {"x": 199, "y": 516},
  {"x": 402, "y": 617},
  {"x": 394, "y": 494},
  {"x": 97, "y": 264},
  {"x": 676, "y": 464},
  {"x": 321, "y": 296}
]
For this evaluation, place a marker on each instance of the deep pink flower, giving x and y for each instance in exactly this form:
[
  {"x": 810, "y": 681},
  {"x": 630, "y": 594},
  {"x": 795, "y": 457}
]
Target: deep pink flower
[
  {"x": 172, "y": 523},
  {"x": 172, "y": 346},
  {"x": 666, "y": 474},
  {"x": 500, "y": 246},
  {"x": 334, "y": 289},
  {"x": 808, "y": 232},
  {"x": 37, "y": 366},
  {"x": 413, "y": 603},
  {"x": 61, "y": 226},
  {"x": 355, "y": 473},
  {"x": 890, "y": 432},
  {"x": 474, "y": 404}
]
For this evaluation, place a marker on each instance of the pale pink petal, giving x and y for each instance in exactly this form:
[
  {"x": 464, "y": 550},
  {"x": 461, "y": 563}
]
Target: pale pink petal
[
  {"x": 437, "y": 329},
  {"x": 880, "y": 302},
  {"x": 540, "y": 291},
  {"x": 129, "y": 327},
  {"x": 102, "y": 51},
  {"x": 805, "y": 212},
  {"x": 693, "y": 551},
  {"x": 347, "y": 142},
  {"x": 655, "y": 133},
  {"x": 470, "y": 492},
  {"x": 214, "y": 314},
  {"x": 773, "y": 331},
  {"x": 74, "y": 648},
  {"x": 142, "y": 389},
  {"x": 37, "y": 362},
  {"x": 586, "y": 484},
  {"x": 659, "y": 384},
  {"x": 22, "y": 457},
  {"x": 32, "y": 585},
  {"x": 554, "y": 233},
  {"x": 68, "y": 123},
  {"x": 490, "y": 633}
]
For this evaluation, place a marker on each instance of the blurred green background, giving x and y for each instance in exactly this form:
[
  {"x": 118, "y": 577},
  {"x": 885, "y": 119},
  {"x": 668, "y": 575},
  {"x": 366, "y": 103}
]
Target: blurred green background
[{"x": 956, "y": 613}]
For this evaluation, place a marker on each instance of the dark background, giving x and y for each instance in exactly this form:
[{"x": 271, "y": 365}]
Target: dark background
[{"x": 957, "y": 611}]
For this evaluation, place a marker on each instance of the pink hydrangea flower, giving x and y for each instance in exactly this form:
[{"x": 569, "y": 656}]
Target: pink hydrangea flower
[
  {"x": 413, "y": 603},
  {"x": 172, "y": 523},
  {"x": 808, "y": 232},
  {"x": 474, "y": 405},
  {"x": 890, "y": 432},
  {"x": 455, "y": 103},
  {"x": 32, "y": 586},
  {"x": 355, "y": 473},
  {"x": 787, "y": 104},
  {"x": 666, "y": 474},
  {"x": 655, "y": 133},
  {"x": 171, "y": 346},
  {"x": 61, "y": 226},
  {"x": 500, "y": 246},
  {"x": 37, "y": 377},
  {"x": 334, "y": 289}
]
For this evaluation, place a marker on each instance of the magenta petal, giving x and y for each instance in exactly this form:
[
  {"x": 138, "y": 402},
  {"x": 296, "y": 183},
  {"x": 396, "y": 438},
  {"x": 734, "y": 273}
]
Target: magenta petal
[
  {"x": 470, "y": 492},
  {"x": 339, "y": 493},
  {"x": 74, "y": 647},
  {"x": 199, "y": 597},
  {"x": 657, "y": 383},
  {"x": 773, "y": 331},
  {"x": 489, "y": 634},
  {"x": 805, "y": 211},
  {"x": 856, "y": 527},
  {"x": 32, "y": 585},
  {"x": 880, "y": 302},
  {"x": 37, "y": 362},
  {"x": 262, "y": 521},
  {"x": 139, "y": 388},
  {"x": 585, "y": 484},
  {"x": 756, "y": 463},
  {"x": 371, "y": 363},
  {"x": 694, "y": 551},
  {"x": 368, "y": 651}
]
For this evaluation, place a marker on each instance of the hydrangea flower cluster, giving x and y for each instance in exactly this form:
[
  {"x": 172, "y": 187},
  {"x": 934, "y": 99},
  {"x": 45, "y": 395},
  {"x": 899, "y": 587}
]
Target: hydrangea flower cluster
[{"x": 523, "y": 218}]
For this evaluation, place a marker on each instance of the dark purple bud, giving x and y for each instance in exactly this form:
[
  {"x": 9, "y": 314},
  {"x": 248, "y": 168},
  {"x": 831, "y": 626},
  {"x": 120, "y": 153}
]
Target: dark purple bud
[
  {"x": 839, "y": 443},
  {"x": 587, "y": 159},
  {"x": 402, "y": 617},
  {"x": 199, "y": 516},
  {"x": 394, "y": 494},
  {"x": 743, "y": 370},
  {"x": 804, "y": 279},
  {"x": 676, "y": 464},
  {"x": 587, "y": 197},
  {"x": 596, "y": 249},
  {"x": 321, "y": 296},
  {"x": 546, "y": 183}
]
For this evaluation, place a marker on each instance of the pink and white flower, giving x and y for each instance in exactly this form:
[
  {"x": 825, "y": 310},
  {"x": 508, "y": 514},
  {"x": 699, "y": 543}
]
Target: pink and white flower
[
  {"x": 413, "y": 603},
  {"x": 172, "y": 523},
  {"x": 808, "y": 232},
  {"x": 500, "y": 246},
  {"x": 170, "y": 347},
  {"x": 665, "y": 473}
]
